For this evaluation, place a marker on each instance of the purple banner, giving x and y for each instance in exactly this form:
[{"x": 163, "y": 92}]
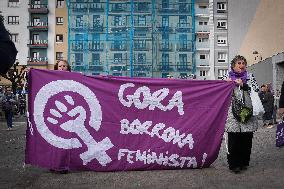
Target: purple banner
[{"x": 79, "y": 122}]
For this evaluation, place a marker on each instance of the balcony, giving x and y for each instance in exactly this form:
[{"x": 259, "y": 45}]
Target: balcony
[
  {"x": 183, "y": 27},
  {"x": 96, "y": 66},
  {"x": 184, "y": 66},
  {"x": 79, "y": 7},
  {"x": 187, "y": 47},
  {"x": 96, "y": 46},
  {"x": 38, "y": 8},
  {"x": 202, "y": 30},
  {"x": 96, "y": 28},
  {"x": 141, "y": 26},
  {"x": 116, "y": 68},
  {"x": 96, "y": 7},
  {"x": 42, "y": 44},
  {"x": 118, "y": 27},
  {"x": 164, "y": 28},
  {"x": 166, "y": 47},
  {"x": 79, "y": 28},
  {"x": 139, "y": 47},
  {"x": 142, "y": 67},
  {"x": 37, "y": 61},
  {"x": 180, "y": 8},
  {"x": 118, "y": 8},
  {"x": 165, "y": 67},
  {"x": 118, "y": 47},
  {"x": 77, "y": 46},
  {"x": 78, "y": 66},
  {"x": 141, "y": 7},
  {"x": 38, "y": 26}
]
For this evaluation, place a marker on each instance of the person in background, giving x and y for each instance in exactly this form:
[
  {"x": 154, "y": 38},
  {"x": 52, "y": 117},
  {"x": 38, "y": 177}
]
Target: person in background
[
  {"x": 8, "y": 51},
  {"x": 8, "y": 102},
  {"x": 267, "y": 100},
  {"x": 62, "y": 65},
  {"x": 281, "y": 101},
  {"x": 240, "y": 134}
]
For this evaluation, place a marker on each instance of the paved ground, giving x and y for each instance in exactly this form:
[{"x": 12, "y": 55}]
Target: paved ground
[{"x": 266, "y": 170}]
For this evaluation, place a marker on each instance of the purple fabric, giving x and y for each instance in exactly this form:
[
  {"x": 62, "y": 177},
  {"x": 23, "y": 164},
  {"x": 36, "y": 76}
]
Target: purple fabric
[
  {"x": 235, "y": 75},
  {"x": 79, "y": 122},
  {"x": 280, "y": 134}
]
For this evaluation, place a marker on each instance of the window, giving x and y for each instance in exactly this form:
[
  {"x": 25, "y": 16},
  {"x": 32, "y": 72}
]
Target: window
[
  {"x": 141, "y": 20},
  {"x": 13, "y": 20},
  {"x": 15, "y": 37},
  {"x": 78, "y": 59},
  {"x": 59, "y": 55},
  {"x": 203, "y": 73},
  {"x": 203, "y": 23},
  {"x": 166, "y": 75},
  {"x": 35, "y": 56},
  {"x": 221, "y": 73},
  {"x": 222, "y": 41},
  {"x": 117, "y": 57},
  {"x": 203, "y": 39},
  {"x": 119, "y": 21},
  {"x": 221, "y": 7},
  {"x": 95, "y": 59},
  {"x": 96, "y": 21},
  {"x": 222, "y": 57},
  {"x": 36, "y": 4},
  {"x": 222, "y": 24},
  {"x": 165, "y": 21},
  {"x": 202, "y": 6},
  {"x": 13, "y": 3},
  {"x": 60, "y": 4},
  {"x": 59, "y": 38},
  {"x": 141, "y": 58},
  {"x": 202, "y": 56},
  {"x": 59, "y": 20},
  {"x": 36, "y": 38}
]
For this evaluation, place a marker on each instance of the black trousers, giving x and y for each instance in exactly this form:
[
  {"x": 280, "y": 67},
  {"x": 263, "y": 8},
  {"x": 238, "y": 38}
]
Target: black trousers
[{"x": 239, "y": 146}]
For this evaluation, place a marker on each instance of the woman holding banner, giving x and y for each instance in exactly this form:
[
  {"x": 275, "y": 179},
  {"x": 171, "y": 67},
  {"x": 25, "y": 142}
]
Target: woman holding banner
[
  {"x": 281, "y": 101},
  {"x": 240, "y": 133},
  {"x": 61, "y": 65}
]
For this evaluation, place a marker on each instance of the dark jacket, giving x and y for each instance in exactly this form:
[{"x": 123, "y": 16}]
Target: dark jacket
[
  {"x": 267, "y": 100},
  {"x": 281, "y": 100},
  {"x": 8, "y": 51}
]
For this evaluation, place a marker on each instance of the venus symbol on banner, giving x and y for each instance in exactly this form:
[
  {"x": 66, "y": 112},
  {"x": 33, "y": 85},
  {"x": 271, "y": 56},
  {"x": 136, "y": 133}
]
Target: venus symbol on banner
[{"x": 96, "y": 150}]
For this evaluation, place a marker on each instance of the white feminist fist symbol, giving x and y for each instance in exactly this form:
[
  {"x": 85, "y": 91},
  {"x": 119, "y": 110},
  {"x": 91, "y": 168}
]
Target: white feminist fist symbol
[{"x": 96, "y": 150}]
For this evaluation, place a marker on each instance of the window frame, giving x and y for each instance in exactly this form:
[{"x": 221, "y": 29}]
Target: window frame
[
  {"x": 60, "y": 4},
  {"x": 59, "y": 20},
  {"x": 13, "y": 20},
  {"x": 58, "y": 38}
]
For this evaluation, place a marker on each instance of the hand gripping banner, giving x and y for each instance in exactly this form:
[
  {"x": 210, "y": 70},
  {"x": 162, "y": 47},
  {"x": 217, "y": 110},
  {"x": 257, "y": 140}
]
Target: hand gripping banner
[{"x": 107, "y": 123}]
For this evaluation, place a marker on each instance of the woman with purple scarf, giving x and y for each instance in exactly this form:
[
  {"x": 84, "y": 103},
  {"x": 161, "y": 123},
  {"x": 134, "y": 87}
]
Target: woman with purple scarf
[{"x": 240, "y": 134}]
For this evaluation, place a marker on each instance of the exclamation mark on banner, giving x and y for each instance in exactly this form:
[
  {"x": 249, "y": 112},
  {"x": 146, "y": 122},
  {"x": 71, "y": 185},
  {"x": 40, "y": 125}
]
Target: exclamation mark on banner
[{"x": 203, "y": 159}]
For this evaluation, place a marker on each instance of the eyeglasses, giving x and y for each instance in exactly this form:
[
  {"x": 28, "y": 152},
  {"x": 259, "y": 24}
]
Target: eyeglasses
[{"x": 241, "y": 62}]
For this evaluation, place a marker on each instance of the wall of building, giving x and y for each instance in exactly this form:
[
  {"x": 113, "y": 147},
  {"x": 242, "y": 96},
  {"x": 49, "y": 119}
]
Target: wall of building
[
  {"x": 256, "y": 26},
  {"x": 21, "y": 10},
  {"x": 61, "y": 29}
]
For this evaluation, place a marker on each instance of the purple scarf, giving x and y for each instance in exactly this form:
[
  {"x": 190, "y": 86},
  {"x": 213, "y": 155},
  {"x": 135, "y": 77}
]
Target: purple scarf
[{"x": 234, "y": 75}]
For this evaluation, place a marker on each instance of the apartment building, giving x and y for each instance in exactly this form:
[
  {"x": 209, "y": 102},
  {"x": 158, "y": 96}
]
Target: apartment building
[
  {"x": 151, "y": 38},
  {"x": 16, "y": 19},
  {"x": 148, "y": 38}
]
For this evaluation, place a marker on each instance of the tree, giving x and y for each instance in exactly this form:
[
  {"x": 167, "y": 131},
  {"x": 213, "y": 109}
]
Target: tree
[{"x": 16, "y": 76}]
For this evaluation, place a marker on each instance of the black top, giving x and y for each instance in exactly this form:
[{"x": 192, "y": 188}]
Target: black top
[
  {"x": 281, "y": 101},
  {"x": 8, "y": 51}
]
